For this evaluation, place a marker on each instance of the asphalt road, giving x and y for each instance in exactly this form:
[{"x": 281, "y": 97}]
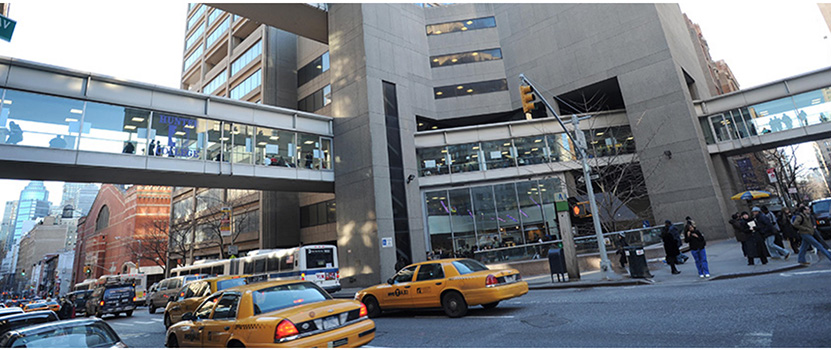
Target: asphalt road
[{"x": 790, "y": 309}]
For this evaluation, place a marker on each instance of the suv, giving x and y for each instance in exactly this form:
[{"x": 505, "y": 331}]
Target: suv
[
  {"x": 112, "y": 299},
  {"x": 822, "y": 212},
  {"x": 81, "y": 297},
  {"x": 167, "y": 289}
]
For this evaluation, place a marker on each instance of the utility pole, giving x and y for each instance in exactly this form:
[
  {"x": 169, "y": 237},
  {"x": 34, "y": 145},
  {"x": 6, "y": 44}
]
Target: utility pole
[{"x": 579, "y": 140}]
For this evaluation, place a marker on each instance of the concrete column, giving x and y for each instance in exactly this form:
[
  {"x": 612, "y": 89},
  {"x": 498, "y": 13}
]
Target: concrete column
[{"x": 570, "y": 251}]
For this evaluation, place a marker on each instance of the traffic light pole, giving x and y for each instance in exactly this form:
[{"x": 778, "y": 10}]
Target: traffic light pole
[{"x": 579, "y": 140}]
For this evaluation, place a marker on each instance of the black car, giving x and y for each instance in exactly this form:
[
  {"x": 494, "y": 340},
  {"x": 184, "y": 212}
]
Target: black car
[
  {"x": 81, "y": 297},
  {"x": 79, "y": 333},
  {"x": 822, "y": 211},
  {"x": 112, "y": 299},
  {"x": 15, "y": 321}
]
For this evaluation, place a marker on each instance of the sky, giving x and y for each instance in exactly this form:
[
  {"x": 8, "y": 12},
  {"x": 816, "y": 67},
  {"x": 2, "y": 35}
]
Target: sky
[{"x": 762, "y": 41}]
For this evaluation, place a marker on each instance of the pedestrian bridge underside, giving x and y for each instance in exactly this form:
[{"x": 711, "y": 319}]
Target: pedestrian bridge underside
[
  {"x": 781, "y": 113},
  {"x": 64, "y": 125}
]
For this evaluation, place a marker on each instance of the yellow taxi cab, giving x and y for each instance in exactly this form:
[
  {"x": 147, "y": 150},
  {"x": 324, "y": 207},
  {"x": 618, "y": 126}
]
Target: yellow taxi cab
[
  {"x": 53, "y": 305},
  {"x": 193, "y": 293},
  {"x": 295, "y": 314},
  {"x": 451, "y": 284},
  {"x": 35, "y": 307}
]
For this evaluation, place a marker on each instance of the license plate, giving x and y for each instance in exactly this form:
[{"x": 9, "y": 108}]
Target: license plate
[
  {"x": 336, "y": 343},
  {"x": 510, "y": 279},
  {"x": 124, "y": 300},
  {"x": 331, "y": 322}
]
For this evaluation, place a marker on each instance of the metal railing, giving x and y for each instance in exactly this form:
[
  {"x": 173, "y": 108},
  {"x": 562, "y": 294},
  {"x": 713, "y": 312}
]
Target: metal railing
[{"x": 584, "y": 244}]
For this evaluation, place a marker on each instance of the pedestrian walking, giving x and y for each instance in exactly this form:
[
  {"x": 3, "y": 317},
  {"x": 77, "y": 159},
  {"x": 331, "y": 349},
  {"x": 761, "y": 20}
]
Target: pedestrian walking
[
  {"x": 621, "y": 249},
  {"x": 755, "y": 244},
  {"x": 738, "y": 231},
  {"x": 765, "y": 227},
  {"x": 777, "y": 230},
  {"x": 697, "y": 243},
  {"x": 788, "y": 231},
  {"x": 803, "y": 224},
  {"x": 671, "y": 245}
]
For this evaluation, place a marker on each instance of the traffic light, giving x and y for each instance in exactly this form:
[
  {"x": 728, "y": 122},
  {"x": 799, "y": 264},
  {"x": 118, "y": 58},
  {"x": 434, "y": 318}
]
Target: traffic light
[
  {"x": 581, "y": 210},
  {"x": 23, "y": 272},
  {"x": 526, "y": 95},
  {"x": 87, "y": 270}
]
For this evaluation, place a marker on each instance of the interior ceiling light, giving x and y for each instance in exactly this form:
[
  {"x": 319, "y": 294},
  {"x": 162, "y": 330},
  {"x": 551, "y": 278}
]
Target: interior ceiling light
[
  {"x": 130, "y": 127},
  {"x": 469, "y": 22},
  {"x": 464, "y": 28},
  {"x": 69, "y": 120},
  {"x": 469, "y": 90},
  {"x": 435, "y": 127},
  {"x": 319, "y": 67},
  {"x": 454, "y": 60},
  {"x": 76, "y": 111},
  {"x": 137, "y": 119},
  {"x": 435, "y": 60},
  {"x": 475, "y": 54},
  {"x": 460, "y": 87},
  {"x": 439, "y": 93},
  {"x": 438, "y": 32}
]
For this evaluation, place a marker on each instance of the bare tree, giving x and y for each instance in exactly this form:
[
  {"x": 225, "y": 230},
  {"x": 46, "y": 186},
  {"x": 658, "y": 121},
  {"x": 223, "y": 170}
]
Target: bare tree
[
  {"x": 179, "y": 241},
  {"x": 209, "y": 224},
  {"x": 152, "y": 245},
  {"x": 788, "y": 169}
]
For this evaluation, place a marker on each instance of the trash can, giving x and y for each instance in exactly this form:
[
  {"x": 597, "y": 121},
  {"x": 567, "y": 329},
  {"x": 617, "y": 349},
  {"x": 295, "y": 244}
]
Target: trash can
[
  {"x": 637, "y": 262},
  {"x": 557, "y": 263}
]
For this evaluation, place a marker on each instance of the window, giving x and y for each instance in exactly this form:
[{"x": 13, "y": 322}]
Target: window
[
  {"x": 286, "y": 295},
  {"x": 229, "y": 283},
  {"x": 468, "y": 266},
  {"x": 319, "y": 258},
  {"x": 204, "y": 310},
  {"x": 195, "y": 56},
  {"x": 465, "y": 57},
  {"x": 195, "y": 36},
  {"x": 405, "y": 275},
  {"x": 103, "y": 219},
  {"x": 313, "y": 69},
  {"x": 318, "y": 214},
  {"x": 218, "y": 81},
  {"x": 466, "y": 89},
  {"x": 196, "y": 16},
  {"x": 316, "y": 100},
  {"x": 246, "y": 58},
  {"x": 461, "y": 26},
  {"x": 429, "y": 272},
  {"x": 214, "y": 15},
  {"x": 226, "y": 307},
  {"x": 247, "y": 85},
  {"x": 217, "y": 33},
  {"x": 431, "y": 161}
]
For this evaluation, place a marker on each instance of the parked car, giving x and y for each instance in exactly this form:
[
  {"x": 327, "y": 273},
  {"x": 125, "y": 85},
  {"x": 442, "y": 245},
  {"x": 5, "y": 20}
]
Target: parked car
[
  {"x": 822, "y": 212},
  {"x": 168, "y": 288},
  {"x": 11, "y": 311},
  {"x": 20, "y": 320},
  {"x": 78, "y": 333},
  {"x": 81, "y": 297},
  {"x": 35, "y": 307},
  {"x": 193, "y": 293},
  {"x": 112, "y": 299}
]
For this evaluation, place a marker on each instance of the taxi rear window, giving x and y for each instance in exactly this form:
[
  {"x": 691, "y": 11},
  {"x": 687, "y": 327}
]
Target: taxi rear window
[
  {"x": 287, "y": 295},
  {"x": 468, "y": 266},
  {"x": 234, "y": 282}
]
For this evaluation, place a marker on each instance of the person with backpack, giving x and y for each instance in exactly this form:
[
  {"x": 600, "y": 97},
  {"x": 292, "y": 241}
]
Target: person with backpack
[
  {"x": 765, "y": 227},
  {"x": 697, "y": 243},
  {"x": 803, "y": 224}
]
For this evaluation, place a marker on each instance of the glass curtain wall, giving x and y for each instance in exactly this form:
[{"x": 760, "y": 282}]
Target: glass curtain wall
[{"x": 461, "y": 221}]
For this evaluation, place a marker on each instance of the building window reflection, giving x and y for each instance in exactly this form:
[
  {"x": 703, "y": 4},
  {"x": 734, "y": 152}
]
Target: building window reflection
[
  {"x": 463, "y": 158},
  {"x": 468, "y": 89},
  {"x": 465, "y": 57},
  {"x": 461, "y": 26}
]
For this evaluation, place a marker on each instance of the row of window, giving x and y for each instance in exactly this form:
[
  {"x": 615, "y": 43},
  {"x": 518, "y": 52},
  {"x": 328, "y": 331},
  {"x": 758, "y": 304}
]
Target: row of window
[
  {"x": 217, "y": 33},
  {"x": 196, "y": 16},
  {"x": 481, "y": 87},
  {"x": 316, "y": 100},
  {"x": 315, "y": 68},
  {"x": 195, "y": 56},
  {"x": 243, "y": 60},
  {"x": 318, "y": 214},
  {"x": 215, "y": 83},
  {"x": 214, "y": 15},
  {"x": 461, "y": 26},
  {"x": 521, "y": 151},
  {"x": 194, "y": 37},
  {"x": 247, "y": 85},
  {"x": 466, "y": 57}
]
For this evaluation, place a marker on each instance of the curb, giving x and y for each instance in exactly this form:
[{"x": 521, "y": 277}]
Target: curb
[
  {"x": 567, "y": 285},
  {"x": 755, "y": 273}
]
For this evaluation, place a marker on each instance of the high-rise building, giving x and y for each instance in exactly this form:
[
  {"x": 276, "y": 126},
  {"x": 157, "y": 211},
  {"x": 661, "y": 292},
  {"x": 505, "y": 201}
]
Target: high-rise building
[
  {"x": 47, "y": 237},
  {"x": 33, "y": 203},
  {"x": 9, "y": 213},
  {"x": 78, "y": 195},
  {"x": 719, "y": 77},
  {"x": 825, "y": 9}
]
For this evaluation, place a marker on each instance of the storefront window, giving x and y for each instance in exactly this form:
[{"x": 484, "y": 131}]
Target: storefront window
[
  {"x": 530, "y": 210},
  {"x": 507, "y": 210},
  {"x": 463, "y": 158},
  {"x": 242, "y": 143},
  {"x": 438, "y": 221},
  {"x": 461, "y": 216},
  {"x": 275, "y": 148},
  {"x": 485, "y": 216},
  {"x": 548, "y": 189}
]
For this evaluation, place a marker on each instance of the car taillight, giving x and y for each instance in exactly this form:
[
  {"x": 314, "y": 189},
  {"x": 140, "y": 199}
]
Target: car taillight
[
  {"x": 490, "y": 280},
  {"x": 338, "y": 275},
  {"x": 302, "y": 276},
  {"x": 363, "y": 311},
  {"x": 134, "y": 299},
  {"x": 285, "y": 329},
  {"x": 101, "y": 303}
]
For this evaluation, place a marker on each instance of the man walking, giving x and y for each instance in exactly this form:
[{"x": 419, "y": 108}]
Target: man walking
[
  {"x": 754, "y": 244},
  {"x": 802, "y": 223},
  {"x": 668, "y": 235},
  {"x": 766, "y": 228}
]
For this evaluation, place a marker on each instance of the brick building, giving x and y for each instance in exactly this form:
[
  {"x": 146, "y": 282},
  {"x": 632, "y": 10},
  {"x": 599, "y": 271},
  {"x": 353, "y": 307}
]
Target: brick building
[{"x": 119, "y": 217}]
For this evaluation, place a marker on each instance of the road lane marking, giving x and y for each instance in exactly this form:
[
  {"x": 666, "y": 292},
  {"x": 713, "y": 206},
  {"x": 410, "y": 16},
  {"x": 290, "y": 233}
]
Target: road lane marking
[
  {"x": 757, "y": 340},
  {"x": 789, "y": 274},
  {"x": 145, "y": 322},
  {"x": 490, "y": 317}
]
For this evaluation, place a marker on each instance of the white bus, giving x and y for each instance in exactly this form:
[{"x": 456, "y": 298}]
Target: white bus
[
  {"x": 85, "y": 285},
  {"x": 315, "y": 263}
]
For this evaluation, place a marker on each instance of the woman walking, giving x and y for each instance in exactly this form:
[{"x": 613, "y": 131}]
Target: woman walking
[
  {"x": 696, "y": 240},
  {"x": 670, "y": 245}
]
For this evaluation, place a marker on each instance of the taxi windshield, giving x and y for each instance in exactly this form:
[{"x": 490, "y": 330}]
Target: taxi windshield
[
  {"x": 287, "y": 295},
  {"x": 225, "y": 284},
  {"x": 36, "y": 306},
  {"x": 468, "y": 266}
]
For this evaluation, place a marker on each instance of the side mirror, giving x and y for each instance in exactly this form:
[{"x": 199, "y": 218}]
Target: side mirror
[
  {"x": 390, "y": 281},
  {"x": 187, "y": 316}
]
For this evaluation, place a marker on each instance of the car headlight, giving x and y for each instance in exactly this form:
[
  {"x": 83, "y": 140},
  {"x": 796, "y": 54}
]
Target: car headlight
[{"x": 356, "y": 295}]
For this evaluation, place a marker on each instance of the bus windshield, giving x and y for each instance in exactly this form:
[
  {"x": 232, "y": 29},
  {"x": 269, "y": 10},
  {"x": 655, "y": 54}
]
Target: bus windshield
[{"x": 319, "y": 258}]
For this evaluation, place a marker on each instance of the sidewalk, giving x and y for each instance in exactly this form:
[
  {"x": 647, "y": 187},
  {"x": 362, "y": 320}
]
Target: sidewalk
[{"x": 724, "y": 258}]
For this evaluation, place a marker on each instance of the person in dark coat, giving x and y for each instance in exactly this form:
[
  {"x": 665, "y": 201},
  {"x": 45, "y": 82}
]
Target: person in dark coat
[
  {"x": 670, "y": 245},
  {"x": 768, "y": 231},
  {"x": 696, "y": 240},
  {"x": 755, "y": 242},
  {"x": 788, "y": 231},
  {"x": 621, "y": 243},
  {"x": 738, "y": 231}
]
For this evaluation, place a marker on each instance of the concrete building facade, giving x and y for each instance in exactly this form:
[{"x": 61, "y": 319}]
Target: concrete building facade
[{"x": 47, "y": 237}]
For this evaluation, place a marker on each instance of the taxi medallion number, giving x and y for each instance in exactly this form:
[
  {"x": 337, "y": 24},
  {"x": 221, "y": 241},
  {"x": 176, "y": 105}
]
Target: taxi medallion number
[{"x": 331, "y": 322}]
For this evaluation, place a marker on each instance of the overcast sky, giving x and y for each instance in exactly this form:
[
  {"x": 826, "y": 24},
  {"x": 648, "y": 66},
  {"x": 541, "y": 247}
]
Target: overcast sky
[{"x": 143, "y": 41}]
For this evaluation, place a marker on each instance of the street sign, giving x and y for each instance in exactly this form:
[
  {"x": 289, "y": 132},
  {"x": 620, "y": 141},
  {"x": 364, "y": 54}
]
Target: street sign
[
  {"x": 225, "y": 223},
  {"x": 792, "y": 190},
  {"x": 7, "y": 28},
  {"x": 560, "y": 197},
  {"x": 233, "y": 250},
  {"x": 771, "y": 175},
  {"x": 386, "y": 242}
]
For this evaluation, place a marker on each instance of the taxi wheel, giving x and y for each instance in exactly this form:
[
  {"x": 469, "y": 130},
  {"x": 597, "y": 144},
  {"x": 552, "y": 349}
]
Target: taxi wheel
[
  {"x": 490, "y": 306},
  {"x": 151, "y": 308},
  {"x": 172, "y": 342},
  {"x": 454, "y": 304},
  {"x": 373, "y": 310},
  {"x": 129, "y": 313},
  {"x": 166, "y": 321},
  {"x": 235, "y": 344}
]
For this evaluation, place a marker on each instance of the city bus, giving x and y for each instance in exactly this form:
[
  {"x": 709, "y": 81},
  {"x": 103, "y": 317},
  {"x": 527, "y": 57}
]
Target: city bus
[
  {"x": 85, "y": 285},
  {"x": 315, "y": 263}
]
